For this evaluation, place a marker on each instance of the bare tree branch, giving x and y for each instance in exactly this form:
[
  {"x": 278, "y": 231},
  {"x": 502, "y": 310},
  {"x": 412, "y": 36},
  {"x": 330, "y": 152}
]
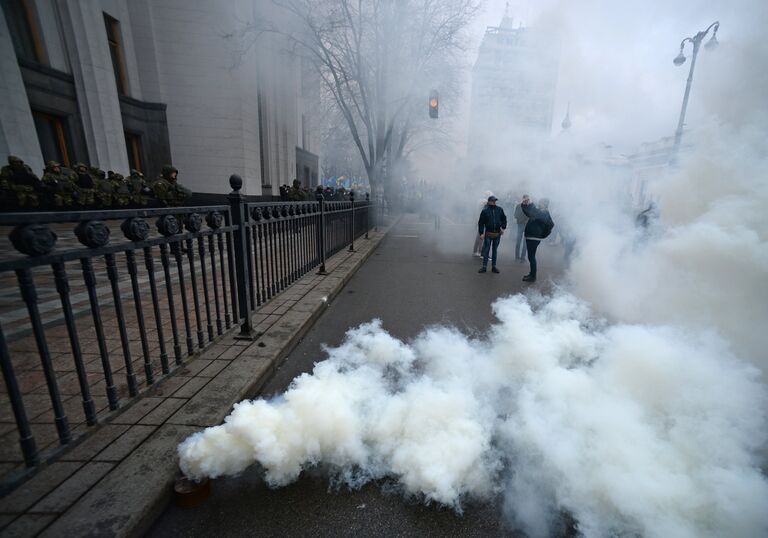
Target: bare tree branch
[{"x": 377, "y": 60}]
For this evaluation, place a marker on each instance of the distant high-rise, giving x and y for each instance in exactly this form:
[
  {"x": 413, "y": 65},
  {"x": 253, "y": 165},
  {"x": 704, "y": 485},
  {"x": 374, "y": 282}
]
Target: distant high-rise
[{"x": 513, "y": 94}]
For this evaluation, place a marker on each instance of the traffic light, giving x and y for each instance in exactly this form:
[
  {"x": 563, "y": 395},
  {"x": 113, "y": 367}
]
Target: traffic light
[{"x": 433, "y": 104}]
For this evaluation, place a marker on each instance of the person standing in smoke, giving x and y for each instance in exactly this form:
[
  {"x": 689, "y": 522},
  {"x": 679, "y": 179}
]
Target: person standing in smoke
[
  {"x": 646, "y": 217},
  {"x": 491, "y": 225},
  {"x": 646, "y": 220},
  {"x": 567, "y": 239},
  {"x": 539, "y": 227},
  {"x": 479, "y": 239},
  {"x": 522, "y": 219}
]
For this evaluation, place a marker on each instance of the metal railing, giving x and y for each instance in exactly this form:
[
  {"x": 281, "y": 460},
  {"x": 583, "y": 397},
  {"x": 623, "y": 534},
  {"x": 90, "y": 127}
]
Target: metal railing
[{"x": 87, "y": 320}]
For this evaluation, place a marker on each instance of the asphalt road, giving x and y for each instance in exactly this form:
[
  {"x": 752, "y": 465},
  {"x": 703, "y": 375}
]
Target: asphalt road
[{"x": 418, "y": 276}]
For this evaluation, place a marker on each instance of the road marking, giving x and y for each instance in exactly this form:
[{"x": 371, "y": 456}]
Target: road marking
[{"x": 405, "y": 236}]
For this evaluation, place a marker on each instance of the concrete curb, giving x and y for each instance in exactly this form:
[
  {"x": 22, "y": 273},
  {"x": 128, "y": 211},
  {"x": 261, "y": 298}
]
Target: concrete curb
[{"x": 130, "y": 497}]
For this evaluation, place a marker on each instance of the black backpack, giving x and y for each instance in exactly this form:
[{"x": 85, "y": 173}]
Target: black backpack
[{"x": 548, "y": 225}]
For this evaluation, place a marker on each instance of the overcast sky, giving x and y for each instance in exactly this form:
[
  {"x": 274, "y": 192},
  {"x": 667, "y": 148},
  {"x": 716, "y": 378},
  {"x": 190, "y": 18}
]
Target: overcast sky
[{"x": 616, "y": 60}]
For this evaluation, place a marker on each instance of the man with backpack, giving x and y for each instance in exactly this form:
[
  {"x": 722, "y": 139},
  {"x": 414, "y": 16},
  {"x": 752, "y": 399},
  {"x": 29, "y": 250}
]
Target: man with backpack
[
  {"x": 539, "y": 227},
  {"x": 491, "y": 225},
  {"x": 522, "y": 220}
]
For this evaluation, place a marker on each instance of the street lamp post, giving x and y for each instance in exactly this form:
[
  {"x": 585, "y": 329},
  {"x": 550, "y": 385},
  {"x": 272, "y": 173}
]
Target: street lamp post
[{"x": 680, "y": 60}]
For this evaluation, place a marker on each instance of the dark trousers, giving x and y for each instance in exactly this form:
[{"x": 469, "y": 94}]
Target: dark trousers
[
  {"x": 520, "y": 246},
  {"x": 487, "y": 244},
  {"x": 532, "y": 245}
]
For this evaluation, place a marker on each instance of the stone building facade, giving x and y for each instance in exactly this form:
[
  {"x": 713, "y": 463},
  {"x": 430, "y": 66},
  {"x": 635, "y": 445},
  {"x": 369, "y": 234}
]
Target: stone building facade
[
  {"x": 123, "y": 84},
  {"x": 513, "y": 92}
]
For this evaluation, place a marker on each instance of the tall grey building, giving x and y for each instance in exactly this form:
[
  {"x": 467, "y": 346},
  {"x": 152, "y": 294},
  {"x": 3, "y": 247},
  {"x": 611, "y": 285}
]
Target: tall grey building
[
  {"x": 123, "y": 84},
  {"x": 513, "y": 93}
]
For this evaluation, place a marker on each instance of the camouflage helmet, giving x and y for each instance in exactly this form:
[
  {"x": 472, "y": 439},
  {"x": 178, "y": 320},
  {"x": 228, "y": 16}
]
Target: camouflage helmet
[
  {"x": 136, "y": 173},
  {"x": 167, "y": 170},
  {"x": 13, "y": 160},
  {"x": 51, "y": 166},
  {"x": 78, "y": 166},
  {"x": 98, "y": 172}
]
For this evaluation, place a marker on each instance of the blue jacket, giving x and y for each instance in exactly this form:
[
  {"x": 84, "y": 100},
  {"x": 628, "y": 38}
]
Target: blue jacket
[{"x": 492, "y": 219}]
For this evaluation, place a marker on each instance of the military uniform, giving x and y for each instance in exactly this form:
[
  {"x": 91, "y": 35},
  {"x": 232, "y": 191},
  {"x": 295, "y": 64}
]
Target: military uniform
[
  {"x": 85, "y": 185},
  {"x": 121, "y": 195},
  {"x": 19, "y": 185},
  {"x": 60, "y": 191},
  {"x": 296, "y": 194},
  {"x": 138, "y": 189},
  {"x": 167, "y": 190},
  {"x": 104, "y": 188}
]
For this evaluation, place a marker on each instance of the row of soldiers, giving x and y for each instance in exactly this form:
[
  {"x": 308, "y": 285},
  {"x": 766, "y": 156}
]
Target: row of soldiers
[
  {"x": 295, "y": 193},
  {"x": 86, "y": 187}
]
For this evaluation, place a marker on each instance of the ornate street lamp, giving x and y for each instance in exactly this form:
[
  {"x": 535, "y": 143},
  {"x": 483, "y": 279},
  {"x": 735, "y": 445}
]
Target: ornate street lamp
[{"x": 680, "y": 60}]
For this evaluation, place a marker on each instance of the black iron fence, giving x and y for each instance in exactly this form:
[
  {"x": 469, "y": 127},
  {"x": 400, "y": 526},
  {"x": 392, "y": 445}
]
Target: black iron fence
[{"x": 87, "y": 318}]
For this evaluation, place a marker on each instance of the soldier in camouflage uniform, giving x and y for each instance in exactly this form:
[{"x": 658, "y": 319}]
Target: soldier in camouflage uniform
[
  {"x": 167, "y": 189},
  {"x": 19, "y": 184},
  {"x": 59, "y": 189},
  {"x": 104, "y": 189},
  {"x": 296, "y": 193},
  {"x": 121, "y": 195},
  {"x": 6, "y": 193},
  {"x": 85, "y": 185},
  {"x": 138, "y": 188}
]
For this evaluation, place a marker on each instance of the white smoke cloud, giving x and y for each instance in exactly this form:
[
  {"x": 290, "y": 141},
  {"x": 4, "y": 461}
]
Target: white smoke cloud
[
  {"x": 366, "y": 412},
  {"x": 707, "y": 264},
  {"x": 652, "y": 429}
]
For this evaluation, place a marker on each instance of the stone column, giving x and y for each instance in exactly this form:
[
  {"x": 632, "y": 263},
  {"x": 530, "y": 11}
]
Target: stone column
[
  {"x": 86, "y": 37},
  {"x": 17, "y": 128}
]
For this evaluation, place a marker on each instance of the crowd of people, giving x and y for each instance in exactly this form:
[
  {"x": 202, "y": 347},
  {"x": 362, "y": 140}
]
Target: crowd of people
[
  {"x": 299, "y": 193},
  {"x": 85, "y": 187},
  {"x": 341, "y": 194},
  {"x": 534, "y": 224},
  {"x": 295, "y": 192},
  {"x": 89, "y": 187}
]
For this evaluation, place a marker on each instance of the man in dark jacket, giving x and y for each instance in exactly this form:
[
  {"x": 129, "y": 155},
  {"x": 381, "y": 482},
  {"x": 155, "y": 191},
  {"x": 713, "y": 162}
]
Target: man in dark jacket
[
  {"x": 492, "y": 224},
  {"x": 539, "y": 227}
]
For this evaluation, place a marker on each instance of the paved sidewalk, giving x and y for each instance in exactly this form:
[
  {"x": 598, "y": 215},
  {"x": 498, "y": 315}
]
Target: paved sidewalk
[
  {"x": 118, "y": 478},
  {"x": 29, "y": 370}
]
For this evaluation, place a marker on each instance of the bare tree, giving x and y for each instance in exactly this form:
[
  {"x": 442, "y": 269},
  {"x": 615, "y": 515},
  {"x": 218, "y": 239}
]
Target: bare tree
[
  {"x": 377, "y": 60},
  {"x": 340, "y": 155}
]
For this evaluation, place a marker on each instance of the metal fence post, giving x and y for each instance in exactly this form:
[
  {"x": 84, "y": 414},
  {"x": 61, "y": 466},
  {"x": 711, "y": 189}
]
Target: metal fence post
[
  {"x": 352, "y": 222},
  {"x": 367, "y": 213},
  {"x": 321, "y": 235},
  {"x": 240, "y": 221},
  {"x": 27, "y": 441}
]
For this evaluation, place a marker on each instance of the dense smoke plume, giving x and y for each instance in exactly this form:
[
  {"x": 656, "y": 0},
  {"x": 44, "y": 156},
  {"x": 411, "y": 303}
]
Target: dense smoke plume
[
  {"x": 630, "y": 428},
  {"x": 706, "y": 261}
]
